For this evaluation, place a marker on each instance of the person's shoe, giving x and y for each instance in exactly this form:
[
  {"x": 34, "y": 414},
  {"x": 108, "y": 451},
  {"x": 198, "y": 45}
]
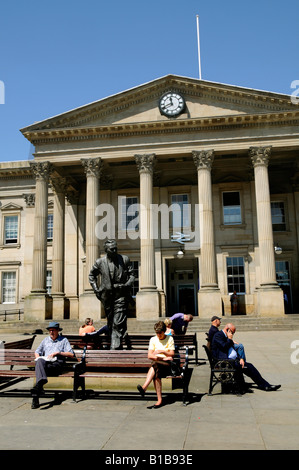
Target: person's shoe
[
  {"x": 157, "y": 406},
  {"x": 140, "y": 390},
  {"x": 35, "y": 403},
  {"x": 271, "y": 388}
]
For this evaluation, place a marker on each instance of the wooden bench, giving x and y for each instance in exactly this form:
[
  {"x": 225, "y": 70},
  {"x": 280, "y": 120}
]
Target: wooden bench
[
  {"x": 20, "y": 344},
  {"x": 123, "y": 364},
  {"x": 221, "y": 371},
  {"x": 136, "y": 341},
  {"x": 21, "y": 363},
  {"x": 89, "y": 363}
]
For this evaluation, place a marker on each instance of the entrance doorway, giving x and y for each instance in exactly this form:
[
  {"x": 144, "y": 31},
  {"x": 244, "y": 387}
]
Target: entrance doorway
[
  {"x": 182, "y": 286},
  {"x": 284, "y": 281}
]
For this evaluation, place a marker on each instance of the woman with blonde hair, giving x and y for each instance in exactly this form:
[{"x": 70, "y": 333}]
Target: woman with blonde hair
[{"x": 168, "y": 324}]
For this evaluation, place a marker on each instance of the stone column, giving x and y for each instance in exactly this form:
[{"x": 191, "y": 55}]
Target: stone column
[
  {"x": 209, "y": 298},
  {"x": 269, "y": 294},
  {"x": 36, "y": 306},
  {"x": 89, "y": 304},
  {"x": 72, "y": 252},
  {"x": 147, "y": 299},
  {"x": 59, "y": 186}
]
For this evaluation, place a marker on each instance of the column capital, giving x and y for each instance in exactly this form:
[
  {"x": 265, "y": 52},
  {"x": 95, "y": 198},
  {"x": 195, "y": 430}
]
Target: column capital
[
  {"x": 203, "y": 159},
  {"x": 41, "y": 170},
  {"x": 72, "y": 196},
  {"x": 260, "y": 156},
  {"x": 92, "y": 166},
  {"x": 146, "y": 162},
  {"x": 58, "y": 184},
  {"x": 29, "y": 199}
]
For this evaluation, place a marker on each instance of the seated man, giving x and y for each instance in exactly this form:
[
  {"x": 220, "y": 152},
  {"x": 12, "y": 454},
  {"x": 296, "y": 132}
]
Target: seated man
[
  {"x": 223, "y": 348},
  {"x": 180, "y": 323},
  {"x": 50, "y": 357},
  {"x": 215, "y": 323}
]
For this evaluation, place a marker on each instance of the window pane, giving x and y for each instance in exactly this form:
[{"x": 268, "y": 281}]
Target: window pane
[
  {"x": 235, "y": 274},
  {"x": 11, "y": 229},
  {"x": 180, "y": 210},
  {"x": 49, "y": 282},
  {"x": 50, "y": 228},
  {"x": 278, "y": 216},
  {"x": 231, "y": 208},
  {"x": 129, "y": 213},
  {"x": 9, "y": 287}
]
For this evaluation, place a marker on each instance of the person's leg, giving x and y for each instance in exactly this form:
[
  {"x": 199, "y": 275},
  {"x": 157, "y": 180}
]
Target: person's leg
[
  {"x": 158, "y": 388},
  {"x": 119, "y": 325},
  {"x": 150, "y": 375},
  {"x": 239, "y": 348},
  {"x": 254, "y": 374}
]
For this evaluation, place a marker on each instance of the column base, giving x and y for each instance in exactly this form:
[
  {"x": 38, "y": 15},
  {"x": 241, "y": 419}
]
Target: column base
[
  {"x": 147, "y": 305},
  {"x": 89, "y": 306},
  {"x": 209, "y": 303},
  {"x": 269, "y": 302},
  {"x": 37, "y": 307},
  {"x": 58, "y": 306},
  {"x": 74, "y": 307}
]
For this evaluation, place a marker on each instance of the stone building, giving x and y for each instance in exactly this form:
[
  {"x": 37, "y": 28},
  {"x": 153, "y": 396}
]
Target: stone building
[{"x": 198, "y": 182}]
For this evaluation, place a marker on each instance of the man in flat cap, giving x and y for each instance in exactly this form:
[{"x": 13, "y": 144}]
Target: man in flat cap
[
  {"x": 50, "y": 357},
  {"x": 214, "y": 328}
]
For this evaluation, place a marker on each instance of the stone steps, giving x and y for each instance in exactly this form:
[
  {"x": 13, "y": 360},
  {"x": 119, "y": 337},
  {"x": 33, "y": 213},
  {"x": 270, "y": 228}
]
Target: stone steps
[{"x": 242, "y": 323}]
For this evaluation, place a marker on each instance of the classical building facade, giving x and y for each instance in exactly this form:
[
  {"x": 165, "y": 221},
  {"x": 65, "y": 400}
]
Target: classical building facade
[{"x": 199, "y": 183}]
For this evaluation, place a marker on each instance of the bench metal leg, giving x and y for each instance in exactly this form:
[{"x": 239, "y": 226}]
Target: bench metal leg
[{"x": 78, "y": 382}]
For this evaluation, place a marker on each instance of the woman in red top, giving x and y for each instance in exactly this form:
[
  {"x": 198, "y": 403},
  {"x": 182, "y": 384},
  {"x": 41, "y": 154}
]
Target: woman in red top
[{"x": 87, "y": 327}]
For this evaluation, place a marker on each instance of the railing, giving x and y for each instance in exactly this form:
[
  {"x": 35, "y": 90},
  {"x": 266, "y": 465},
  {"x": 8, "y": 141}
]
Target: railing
[{"x": 6, "y": 313}]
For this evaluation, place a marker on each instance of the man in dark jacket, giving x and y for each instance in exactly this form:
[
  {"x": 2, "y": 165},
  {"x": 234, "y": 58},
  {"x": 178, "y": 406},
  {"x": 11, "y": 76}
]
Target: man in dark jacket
[
  {"x": 223, "y": 348},
  {"x": 114, "y": 292}
]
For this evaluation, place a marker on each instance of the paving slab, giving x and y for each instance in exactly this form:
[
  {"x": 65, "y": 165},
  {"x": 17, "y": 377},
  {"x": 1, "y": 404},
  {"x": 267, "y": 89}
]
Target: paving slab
[{"x": 111, "y": 421}]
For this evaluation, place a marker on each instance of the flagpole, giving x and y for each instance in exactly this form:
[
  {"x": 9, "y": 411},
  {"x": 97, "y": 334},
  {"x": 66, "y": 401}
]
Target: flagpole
[{"x": 198, "y": 47}]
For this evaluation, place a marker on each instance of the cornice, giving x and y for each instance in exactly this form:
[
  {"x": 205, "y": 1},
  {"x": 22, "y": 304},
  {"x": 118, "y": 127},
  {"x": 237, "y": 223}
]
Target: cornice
[{"x": 215, "y": 123}]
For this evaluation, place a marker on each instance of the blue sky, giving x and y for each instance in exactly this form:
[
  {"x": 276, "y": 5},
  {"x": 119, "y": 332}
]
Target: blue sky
[{"x": 58, "y": 55}]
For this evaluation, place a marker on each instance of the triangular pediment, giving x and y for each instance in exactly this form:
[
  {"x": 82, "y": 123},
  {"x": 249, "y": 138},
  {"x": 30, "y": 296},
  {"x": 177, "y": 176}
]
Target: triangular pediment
[
  {"x": 11, "y": 206},
  {"x": 140, "y": 105}
]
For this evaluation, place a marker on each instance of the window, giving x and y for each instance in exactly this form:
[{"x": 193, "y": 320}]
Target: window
[
  {"x": 235, "y": 274},
  {"x": 50, "y": 228},
  {"x": 135, "y": 287},
  {"x": 282, "y": 273},
  {"x": 10, "y": 229},
  {"x": 231, "y": 208},
  {"x": 49, "y": 282},
  {"x": 129, "y": 213},
  {"x": 278, "y": 216},
  {"x": 9, "y": 287},
  {"x": 180, "y": 211}
]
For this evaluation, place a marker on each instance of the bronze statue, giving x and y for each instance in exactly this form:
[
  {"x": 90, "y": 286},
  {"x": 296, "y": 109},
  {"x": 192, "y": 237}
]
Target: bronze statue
[{"x": 114, "y": 292}]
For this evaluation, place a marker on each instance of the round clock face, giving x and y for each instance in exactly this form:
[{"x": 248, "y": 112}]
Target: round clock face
[{"x": 171, "y": 104}]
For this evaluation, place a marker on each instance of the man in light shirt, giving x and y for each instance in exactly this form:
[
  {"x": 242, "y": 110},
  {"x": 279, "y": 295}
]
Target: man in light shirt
[{"x": 50, "y": 357}]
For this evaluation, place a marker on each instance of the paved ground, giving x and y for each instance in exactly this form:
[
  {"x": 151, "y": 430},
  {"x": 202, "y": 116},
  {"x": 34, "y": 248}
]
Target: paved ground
[{"x": 109, "y": 421}]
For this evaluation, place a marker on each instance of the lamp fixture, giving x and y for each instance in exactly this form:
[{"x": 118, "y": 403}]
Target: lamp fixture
[{"x": 277, "y": 249}]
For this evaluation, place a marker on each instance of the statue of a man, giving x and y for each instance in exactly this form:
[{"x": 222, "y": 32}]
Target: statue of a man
[{"x": 114, "y": 292}]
